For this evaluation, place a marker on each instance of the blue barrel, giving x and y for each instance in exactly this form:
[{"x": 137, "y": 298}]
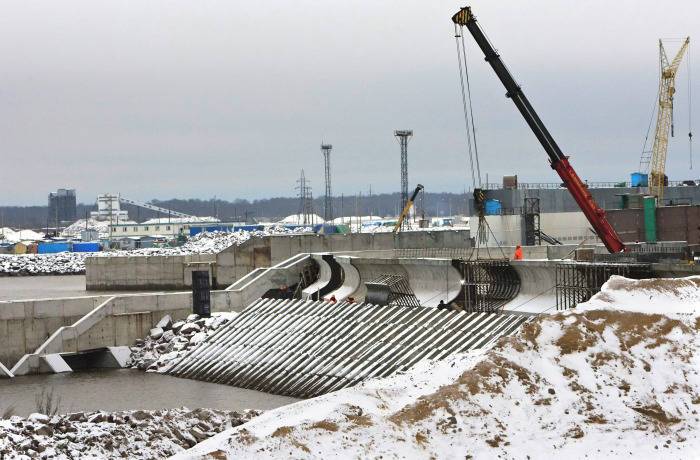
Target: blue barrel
[
  {"x": 492, "y": 207},
  {"x": 639, "y": 179}
]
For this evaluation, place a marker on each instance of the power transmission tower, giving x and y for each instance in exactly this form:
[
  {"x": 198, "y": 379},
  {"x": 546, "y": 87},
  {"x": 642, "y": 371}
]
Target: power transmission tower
[
  {"x": 306, "y": 200},
  {"x": 403, "y": 137},
  {"x": 328, "y": 202}
]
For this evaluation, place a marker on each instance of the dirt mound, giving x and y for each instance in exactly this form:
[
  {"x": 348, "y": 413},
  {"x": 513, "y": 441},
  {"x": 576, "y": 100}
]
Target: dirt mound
[{"x": 583, "y": 383}]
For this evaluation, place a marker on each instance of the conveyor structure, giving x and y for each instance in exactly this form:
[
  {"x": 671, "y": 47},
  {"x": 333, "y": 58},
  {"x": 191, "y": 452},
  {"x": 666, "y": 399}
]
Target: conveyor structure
[{"x": 305, "y": 348}]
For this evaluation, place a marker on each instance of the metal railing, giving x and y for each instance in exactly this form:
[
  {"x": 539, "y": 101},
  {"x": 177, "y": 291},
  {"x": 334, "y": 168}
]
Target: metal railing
[{"x": 559, "y": 185}]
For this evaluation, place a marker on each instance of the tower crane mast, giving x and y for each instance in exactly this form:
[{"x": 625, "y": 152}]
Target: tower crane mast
[
  {"x": 559, "y": 162},
  {"x": 664, "y": 119}
]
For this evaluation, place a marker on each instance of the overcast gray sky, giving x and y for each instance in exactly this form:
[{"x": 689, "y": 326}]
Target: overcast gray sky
[{"x": 161, "y": 99}]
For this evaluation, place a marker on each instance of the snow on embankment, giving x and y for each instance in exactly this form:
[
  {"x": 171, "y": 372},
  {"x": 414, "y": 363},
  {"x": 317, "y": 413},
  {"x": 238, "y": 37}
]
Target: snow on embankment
[
  {"x": 604, "y": 380},
  {"x": 139, "y": 434},
  {"x": 69, "y": 263}
]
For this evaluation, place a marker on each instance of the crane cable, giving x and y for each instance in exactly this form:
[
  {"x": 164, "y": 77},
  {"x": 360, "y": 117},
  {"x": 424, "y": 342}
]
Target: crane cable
[
  {"x": 484, "y": 229},
  {"x": 690, "y": 114},
  {"x": 471, "y": 112},
  {"x": 476, "y": 174}
]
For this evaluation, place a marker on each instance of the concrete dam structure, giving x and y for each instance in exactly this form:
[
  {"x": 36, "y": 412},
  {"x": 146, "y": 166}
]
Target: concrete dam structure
[
  {"x": 305, "y": 348},
  {"x": 391, "y": 291}
]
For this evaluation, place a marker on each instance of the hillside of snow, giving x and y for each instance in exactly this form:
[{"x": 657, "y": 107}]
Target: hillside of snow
[{"x": 616, "y": 377}]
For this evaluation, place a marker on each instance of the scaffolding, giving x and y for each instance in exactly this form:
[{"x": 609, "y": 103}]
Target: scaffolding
[{"x": 531, "y": 216}]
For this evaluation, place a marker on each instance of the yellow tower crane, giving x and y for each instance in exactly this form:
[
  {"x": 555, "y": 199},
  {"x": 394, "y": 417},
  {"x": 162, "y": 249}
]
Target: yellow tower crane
[{"x": 664, "y": 119}]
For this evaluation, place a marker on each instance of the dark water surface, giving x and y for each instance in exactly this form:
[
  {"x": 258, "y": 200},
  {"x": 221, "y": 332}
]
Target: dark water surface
[{"x": 127, "y": 389}]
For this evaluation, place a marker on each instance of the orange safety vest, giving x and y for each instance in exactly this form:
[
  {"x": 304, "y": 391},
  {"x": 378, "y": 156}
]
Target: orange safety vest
[{"x": 518, "y": 254}]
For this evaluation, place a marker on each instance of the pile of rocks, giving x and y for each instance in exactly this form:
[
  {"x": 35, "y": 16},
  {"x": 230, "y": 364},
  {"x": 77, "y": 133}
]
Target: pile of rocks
[
  {"x": 64, "y": 263},
  {"x": 135, "y": 434},
  {"x": 169, "y": 341},
  {"x": 73, "y": 263}
]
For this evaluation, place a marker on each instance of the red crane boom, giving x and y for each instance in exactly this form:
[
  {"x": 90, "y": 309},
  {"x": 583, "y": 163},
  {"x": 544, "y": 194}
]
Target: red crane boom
[{"x": 559, "y": 161}]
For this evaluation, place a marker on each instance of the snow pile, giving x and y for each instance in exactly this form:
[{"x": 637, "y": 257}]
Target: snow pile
[
  {"x": 15, "y": 236},
  {"x": 585, "y": 383},
  {"x": 74, "y": 262},
  {"x": 75, "y": 229},
  {"x": 208, "y": 242},
  {"x": 675, "y": 297},
  {"x": 168, "y": 341},
  {"x": 63, "y": 263},
  {"x": 138, "y": 434}
]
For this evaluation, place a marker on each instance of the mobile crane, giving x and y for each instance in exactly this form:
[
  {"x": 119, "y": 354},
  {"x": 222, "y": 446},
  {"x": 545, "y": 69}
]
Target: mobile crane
[
  {"x": 558, "y": 161},
  {"x": 407, "y": 208}
]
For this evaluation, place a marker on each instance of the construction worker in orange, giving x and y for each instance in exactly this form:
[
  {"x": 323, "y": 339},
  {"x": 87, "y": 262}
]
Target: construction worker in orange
[{"x": 518, "y": 253}]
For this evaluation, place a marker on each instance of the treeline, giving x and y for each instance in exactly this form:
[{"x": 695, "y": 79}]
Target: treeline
[{"x": 269, "y": 209}]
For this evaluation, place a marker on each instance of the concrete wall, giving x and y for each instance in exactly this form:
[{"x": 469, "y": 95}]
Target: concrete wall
[
  {"x": 235, "y": 262},
  {"x": 232, "y": 264},
  {"x": 673, "y": 223},
  {"x": 567, "y": 227},
  {"x": 26, "y": 325},
  {"x": 560, "y": 200},
  {"x": 142, "y": 272}
]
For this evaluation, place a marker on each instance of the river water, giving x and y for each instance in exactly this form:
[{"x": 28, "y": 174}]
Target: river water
[{"x": 128, "y": 389}]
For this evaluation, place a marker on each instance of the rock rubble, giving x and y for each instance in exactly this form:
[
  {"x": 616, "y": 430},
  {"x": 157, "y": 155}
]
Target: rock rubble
[
  {"x": 137, "y": 434},
  {"x": 168, "y": 341}
]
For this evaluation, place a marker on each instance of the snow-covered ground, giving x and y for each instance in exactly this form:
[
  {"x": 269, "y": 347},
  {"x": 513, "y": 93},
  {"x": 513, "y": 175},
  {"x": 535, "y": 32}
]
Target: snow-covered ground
[
  {"x": 168, "y": 341},
  {"x": 74, "y": 262},
  {"x": 136, "y": 434},
  {"x": 616, "y": 377}
]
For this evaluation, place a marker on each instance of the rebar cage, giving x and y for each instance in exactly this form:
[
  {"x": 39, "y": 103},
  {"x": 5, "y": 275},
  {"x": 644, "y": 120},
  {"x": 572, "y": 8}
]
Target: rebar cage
[
  {"x": 577, "y": 282},
  {"x": 392, "y": 290},
  {"x": 487, "y": 285}
]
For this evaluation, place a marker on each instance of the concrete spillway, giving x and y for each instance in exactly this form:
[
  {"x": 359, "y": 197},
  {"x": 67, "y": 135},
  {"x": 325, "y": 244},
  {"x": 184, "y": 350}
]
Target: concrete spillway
[{"x": 305, "y": 348}]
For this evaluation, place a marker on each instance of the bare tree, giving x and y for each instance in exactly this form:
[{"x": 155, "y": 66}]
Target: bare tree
[{"x": 47, "y": 402}]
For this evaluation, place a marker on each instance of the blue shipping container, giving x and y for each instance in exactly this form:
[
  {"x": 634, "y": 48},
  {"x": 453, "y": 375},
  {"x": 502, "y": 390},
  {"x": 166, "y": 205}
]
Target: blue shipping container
[
  {"x": 492, "y": 207},
  {"x": 86, "y": 247},
  {"x": 224, "y": 228},
  {"x": 640, "y": 180},
  {"x": 52, "y": 248}
]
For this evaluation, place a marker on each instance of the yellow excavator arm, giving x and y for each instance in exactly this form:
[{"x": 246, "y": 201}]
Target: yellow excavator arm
[{"x": 407, "y": 208}]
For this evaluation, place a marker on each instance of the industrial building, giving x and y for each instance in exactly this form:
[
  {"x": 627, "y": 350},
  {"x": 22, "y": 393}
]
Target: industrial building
[
  {"x": 108, "y": 208},
  {"x": 163, "y": 227},
  {"x": 62, "y": 207}
]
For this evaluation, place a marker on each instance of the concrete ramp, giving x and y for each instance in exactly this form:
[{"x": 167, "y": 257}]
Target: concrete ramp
[
  {"x": 307, "y": 348},
  {"x": 330, "y": 278},
  {"x": 537, "y": 287},
  {"x": 431, "y": 280}
]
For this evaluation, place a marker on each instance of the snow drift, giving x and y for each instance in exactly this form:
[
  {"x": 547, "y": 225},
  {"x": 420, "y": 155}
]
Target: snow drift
[{"x": 617, "y": 376}]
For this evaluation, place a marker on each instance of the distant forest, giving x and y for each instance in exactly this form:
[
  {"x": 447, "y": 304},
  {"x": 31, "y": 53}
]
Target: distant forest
[{"x": 270, "y": 209}]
